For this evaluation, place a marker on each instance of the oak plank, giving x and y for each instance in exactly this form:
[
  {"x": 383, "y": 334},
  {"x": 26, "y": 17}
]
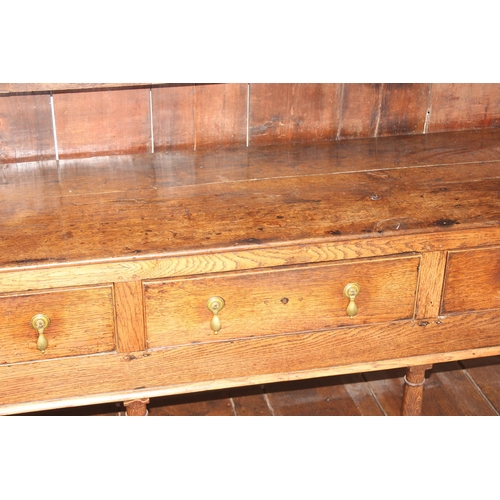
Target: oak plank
[
  {"x": 293, "y": 112},
  {"x": 403, "y": 108},
  {"x": 26, "y": 131},
  {"x": 220, "y": 115},
  {"x": 360, "y": 110},
  {"x": 173, "y": 117},
  {"x": 464, "y": 106},
  {"x": 103, "y": 122}
]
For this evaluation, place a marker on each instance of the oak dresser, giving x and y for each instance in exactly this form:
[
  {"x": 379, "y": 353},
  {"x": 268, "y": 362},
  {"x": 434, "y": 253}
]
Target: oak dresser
[{"x": 127, "y": 277}]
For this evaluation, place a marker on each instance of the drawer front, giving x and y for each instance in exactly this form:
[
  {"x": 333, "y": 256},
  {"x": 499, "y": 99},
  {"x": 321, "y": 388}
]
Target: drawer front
[
  {"x": 279, "y": 301},
  {"x": 81, "y": 322},
  {"x": 472, "y": 281}
]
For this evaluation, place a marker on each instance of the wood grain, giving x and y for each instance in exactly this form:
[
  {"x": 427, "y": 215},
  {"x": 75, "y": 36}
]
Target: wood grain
[
  {"x": 173, "y": 117},
  {"x": 414, "y": 390},
  {"x": 282, "y": 300},
  {"x": 81, "y": 322},
  {"x": 129, "y": 316},
  {"x": 103, "y": 122},
  {"x": 161, "y": 220},
  {"x": 403, "y": 108},
  {"x": 464, "y": 106},
  {"x": 430, "y": 286},
  {"x": 295, "y": 112},
  {"x": 26, "y": 131},
  {"x": 472, "y": 281},
  {"x": 360, "y": 110},
  {"x": 220, "y": 115}
]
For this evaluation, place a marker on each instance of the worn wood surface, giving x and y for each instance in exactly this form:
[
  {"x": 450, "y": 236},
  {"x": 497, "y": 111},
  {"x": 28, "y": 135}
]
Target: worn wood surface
[
  {"x": 81, "y": 322},
  {"x": 293, "y": 112},
  {"x": 103, "y": 122},
  {"x": 360, "y": 113},
  {"x": 173, "y": 117},
  {"x": 26, "y": 130},
  {"x": 464, "y": 106},
  {"x": 204, "y": 116},
  {"x": 282, "y": 300},
  {"x": 147, "y": 212},
  {"x": 403, "y": 108},
  {"x": 220, "y": 115}
]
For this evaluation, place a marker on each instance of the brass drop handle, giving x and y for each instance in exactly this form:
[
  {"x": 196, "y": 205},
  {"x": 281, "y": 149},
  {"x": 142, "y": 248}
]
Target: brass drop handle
[
  {"x": 351, "y": 291},
  {"x": 40, "y": 322},
  {"x": 215, "y": 304}
]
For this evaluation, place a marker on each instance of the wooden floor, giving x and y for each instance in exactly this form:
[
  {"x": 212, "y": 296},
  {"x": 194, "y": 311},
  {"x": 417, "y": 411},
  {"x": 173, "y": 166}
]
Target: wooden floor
[{"x": 460, "y": 388}]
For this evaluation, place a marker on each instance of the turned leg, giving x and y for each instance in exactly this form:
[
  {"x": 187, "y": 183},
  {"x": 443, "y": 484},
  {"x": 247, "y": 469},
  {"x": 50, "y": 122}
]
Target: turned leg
[
  {"x": 137, "y": 407},
  {"x": 414, "y": 389}
]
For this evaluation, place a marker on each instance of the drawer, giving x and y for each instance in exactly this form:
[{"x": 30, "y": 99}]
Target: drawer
[
  {"x": 81, "y": 322},
  {"x": 472, "y": 281},
  {"x": 277, "y": 301}
]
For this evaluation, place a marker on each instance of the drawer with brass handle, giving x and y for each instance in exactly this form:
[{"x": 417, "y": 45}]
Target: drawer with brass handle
[
  {"x": 278, "y": 301},
  {"x": 56, "y": 323}
]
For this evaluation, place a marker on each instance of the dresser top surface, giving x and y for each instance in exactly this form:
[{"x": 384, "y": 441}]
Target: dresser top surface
[{"x": 138, "y": 206}]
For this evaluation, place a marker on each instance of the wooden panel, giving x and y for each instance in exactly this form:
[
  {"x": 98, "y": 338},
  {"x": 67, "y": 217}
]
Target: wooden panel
[
  {"x": 103, "y": 122},
  {"x": 472, "y": 281},
  {"x": 26, "y": 131},
  {"x": 220, "y": 115},
  {"x": 360, "y": 110},
  {"x": 81, "y": 322},
  {"x": 173, "y": 117},
  {"x": 403, "y": 108},
  {"x": 293, "y": 112},
  {"x": 279, "y": 301},
  {"x": 430, "y": 285},
  {"x": 461, "y": 106},
  {"x": 129, "y": 316}
]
